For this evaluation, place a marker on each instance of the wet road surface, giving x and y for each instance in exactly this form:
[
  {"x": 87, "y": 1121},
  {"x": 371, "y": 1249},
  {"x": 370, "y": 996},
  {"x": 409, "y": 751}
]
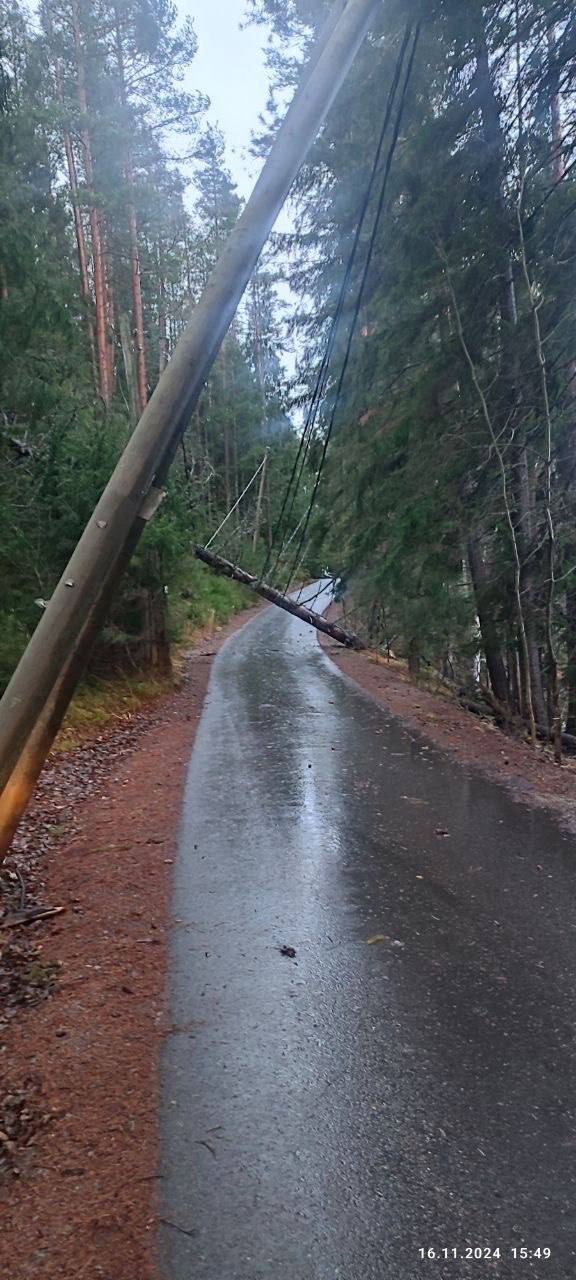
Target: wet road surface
[{"x": 327, "y": 1117}]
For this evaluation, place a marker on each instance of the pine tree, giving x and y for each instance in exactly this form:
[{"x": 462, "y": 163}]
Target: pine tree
[
  {"x": 100, "y": 262},
  {"x": 445, "y": 494}
]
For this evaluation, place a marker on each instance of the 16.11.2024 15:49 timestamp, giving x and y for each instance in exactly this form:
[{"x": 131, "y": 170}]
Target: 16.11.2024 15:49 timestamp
[{"x": 482, "y": 1253}]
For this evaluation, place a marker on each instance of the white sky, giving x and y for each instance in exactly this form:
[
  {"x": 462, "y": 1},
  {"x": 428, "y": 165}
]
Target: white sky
[{"x": 229, "y": 67}]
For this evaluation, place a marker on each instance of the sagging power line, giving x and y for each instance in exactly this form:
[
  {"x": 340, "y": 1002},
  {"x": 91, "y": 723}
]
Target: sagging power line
[
  {"x": 404, "y": 62},
  {"x": 45, "y": 679}
]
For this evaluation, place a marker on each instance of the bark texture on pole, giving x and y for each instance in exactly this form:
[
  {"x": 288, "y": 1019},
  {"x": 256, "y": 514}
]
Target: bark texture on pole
[
  {"x": 17, "y": 793},
  {"x": 19, "y": 788},
  {"x": 130, "y": 489},
  {"x": 229, "y": 570}
]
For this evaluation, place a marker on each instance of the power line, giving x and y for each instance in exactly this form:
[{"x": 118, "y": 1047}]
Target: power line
[
  {"x": 322, "y": 375},
  {"x": 358, "y": 304},
  {"x": 236, "y": 504}
]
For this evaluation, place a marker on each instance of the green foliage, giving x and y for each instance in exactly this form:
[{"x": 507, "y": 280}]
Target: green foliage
[
  {"x": 90, "y": 99},
  {"x": 208, "y": 599},
  {"x": 443, "y": 435}
]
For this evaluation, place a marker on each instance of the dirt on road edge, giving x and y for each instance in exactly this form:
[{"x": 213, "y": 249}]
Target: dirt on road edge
[
  {"x": 532, "y": 777},
  {"x": 80, "y": 1070}
]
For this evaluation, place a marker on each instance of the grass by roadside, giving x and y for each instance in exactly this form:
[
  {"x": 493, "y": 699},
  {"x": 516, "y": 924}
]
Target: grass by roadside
[
  {"x": 102, "y": 701},
  {"x": 79, "y": 1097}
]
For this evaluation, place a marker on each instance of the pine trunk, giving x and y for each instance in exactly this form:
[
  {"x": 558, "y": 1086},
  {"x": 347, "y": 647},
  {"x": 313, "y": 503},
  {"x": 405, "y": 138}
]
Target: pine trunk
[
  {"x": 490, "y": 640},
  {"x": 129, "y": 369},
  {"x": 567, "y": 462},
  {"x": 135, "y": 268},
  {"x": 414, "y": 657},
  {"x": 558, "y": 158},
  {"x": 98, "y": 264},
  {"x": 157, "y": 642},
  {"x": 527, "y": 540},
  {"x": 137, "y": 304},
  {"x": 74, "y": 197},
  {"x": 525, "y": 588},
  {"x": 514, "y": 690},
  {"x": 571, "y": 658},
  {"x": 162, "y": 330}
]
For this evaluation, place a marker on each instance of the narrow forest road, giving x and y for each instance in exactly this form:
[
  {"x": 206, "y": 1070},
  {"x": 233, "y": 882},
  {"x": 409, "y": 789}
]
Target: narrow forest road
[{"x": 328, "y": 1116}]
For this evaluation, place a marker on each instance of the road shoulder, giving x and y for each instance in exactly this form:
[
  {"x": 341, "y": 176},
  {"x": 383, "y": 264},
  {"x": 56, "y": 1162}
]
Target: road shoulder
[
  {"x": 532, "y": 777},
  {"x": 81, "y": 1068}
]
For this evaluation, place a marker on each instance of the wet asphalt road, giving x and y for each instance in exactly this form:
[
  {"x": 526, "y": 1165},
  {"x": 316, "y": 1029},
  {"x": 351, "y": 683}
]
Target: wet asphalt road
[{"x": 326, "y": 1117}]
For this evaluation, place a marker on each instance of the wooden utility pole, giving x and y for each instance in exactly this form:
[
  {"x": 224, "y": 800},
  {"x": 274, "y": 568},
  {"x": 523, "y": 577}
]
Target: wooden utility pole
[
  {"x": 135, "y": 489},
  {"x": 15, "y": 796},
  {"x": 259, "y": 499},
  {"x": 229, "y": 570}
]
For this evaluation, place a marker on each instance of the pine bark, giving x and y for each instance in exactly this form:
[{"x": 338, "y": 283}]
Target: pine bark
[
  {"x": 527, "y": 540},
  {"x": 567, "y": 460},
  {"x": 136, "y": 285},
  {"x": 490, "y": 639},
  {"x": 133, "y": 240},
  {"x": 98, "y": 263},
  {"x": 74, "y": 198},
  {"x": 492, "y": 128},
  {"x": 129, "y": 369},
  {"x": 556, "y": 125},
  {"x": 163, "y": 346}
]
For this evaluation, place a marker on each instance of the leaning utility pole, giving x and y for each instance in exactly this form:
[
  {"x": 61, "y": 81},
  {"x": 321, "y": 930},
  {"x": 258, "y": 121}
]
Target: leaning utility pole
[{"x": 135, "y": 491}]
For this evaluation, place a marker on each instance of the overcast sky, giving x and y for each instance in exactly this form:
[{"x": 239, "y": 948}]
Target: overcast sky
[{"x": 230, "y": 68}]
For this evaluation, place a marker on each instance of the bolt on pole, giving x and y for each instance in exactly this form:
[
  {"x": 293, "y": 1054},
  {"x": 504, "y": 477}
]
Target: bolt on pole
[{"x": 132, "y": 494}]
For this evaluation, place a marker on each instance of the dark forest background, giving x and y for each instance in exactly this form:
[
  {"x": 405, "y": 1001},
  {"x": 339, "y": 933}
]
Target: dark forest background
[{"x": 447, "y": 503}]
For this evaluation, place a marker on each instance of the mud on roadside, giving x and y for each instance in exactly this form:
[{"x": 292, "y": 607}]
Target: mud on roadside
[
  {"x": 79, "y": 1070},
  {"x": 531, "y": 776}
]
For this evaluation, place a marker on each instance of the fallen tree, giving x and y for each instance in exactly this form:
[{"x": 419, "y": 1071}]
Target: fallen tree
[{"x": 229, "y": 570}]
